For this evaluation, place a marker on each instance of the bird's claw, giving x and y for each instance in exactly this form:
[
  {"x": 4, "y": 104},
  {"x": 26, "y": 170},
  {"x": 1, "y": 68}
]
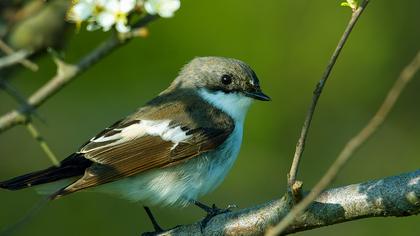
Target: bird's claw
[
  {"x": 212, "y": 212},
  {"x": 156, "y": 226},
  {"x": 231, "y": 206},
  {"x": 151, "y": 233}
]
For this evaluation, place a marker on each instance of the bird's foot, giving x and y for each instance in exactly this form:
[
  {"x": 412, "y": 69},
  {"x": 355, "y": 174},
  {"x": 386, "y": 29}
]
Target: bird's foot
[
  {"x": 155, "y": 233},
  {"x": 156, "y": 226},
  {"x": 211, "y": 212}
]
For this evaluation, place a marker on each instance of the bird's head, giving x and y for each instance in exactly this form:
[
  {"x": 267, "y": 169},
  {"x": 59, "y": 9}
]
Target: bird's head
[{"x": 228, "y": 83}]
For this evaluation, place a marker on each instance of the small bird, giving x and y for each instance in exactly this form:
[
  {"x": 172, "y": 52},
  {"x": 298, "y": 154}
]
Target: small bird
[{"x": 176, "y": 148}]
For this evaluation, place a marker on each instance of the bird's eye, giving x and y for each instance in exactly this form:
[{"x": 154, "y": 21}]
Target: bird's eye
[{"x": 226, "y": 79}]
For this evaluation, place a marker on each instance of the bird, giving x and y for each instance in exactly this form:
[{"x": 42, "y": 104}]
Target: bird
[{"x": 176, "y": 148}]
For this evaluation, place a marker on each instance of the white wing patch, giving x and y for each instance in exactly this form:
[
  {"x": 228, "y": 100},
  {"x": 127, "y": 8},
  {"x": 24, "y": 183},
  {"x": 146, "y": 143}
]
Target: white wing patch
[{"x": 159, "y": 128}]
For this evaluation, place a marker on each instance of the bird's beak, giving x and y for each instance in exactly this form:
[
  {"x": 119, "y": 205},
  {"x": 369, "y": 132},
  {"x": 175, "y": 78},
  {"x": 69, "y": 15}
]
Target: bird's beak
[{"x": 258, "y": 94}]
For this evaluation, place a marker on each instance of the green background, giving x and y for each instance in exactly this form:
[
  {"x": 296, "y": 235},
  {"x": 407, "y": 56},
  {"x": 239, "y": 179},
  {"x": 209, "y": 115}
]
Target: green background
[{"x": 288, "y": 43}]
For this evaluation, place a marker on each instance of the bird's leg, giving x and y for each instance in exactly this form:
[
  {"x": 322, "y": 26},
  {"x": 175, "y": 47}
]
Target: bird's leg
[
  {"x": 211, "y": 212},
  {"x": 156, "y": 226}
]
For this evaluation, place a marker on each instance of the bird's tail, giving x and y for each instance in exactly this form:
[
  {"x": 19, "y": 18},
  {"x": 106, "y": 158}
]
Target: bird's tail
[{"x": 72, "y": 166}]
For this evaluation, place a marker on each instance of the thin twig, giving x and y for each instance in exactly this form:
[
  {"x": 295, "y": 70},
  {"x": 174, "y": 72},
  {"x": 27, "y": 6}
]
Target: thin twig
[
  {"x": 14, "y": 58},
  {"x": 66, "y": 73},
  {"x": 37, "y": 136},
  {"x": 13, "y": 92},
  {"x": 300, "y": 146},
  {"x": 30, "y": 127},
  {"x": 25, "y": 62},
  {"x": 353, "y": 144}
]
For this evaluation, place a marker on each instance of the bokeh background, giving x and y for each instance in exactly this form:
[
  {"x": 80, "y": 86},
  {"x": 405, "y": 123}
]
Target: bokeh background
[{"x": 288, "y": 43}]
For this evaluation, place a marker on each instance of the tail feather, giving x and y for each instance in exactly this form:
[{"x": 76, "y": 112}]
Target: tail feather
[{"x": 74, "y": 165}]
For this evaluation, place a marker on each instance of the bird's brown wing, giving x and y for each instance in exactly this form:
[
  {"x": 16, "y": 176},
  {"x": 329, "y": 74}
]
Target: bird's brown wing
[
  {"x": 116, "y": 159},
  {"x": 125, "y": 148}
]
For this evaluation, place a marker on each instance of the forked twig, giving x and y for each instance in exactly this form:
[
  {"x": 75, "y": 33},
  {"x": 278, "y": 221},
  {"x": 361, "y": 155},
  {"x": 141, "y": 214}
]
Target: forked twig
[
  {"x": 25, "y": 62},
  {"x": 300, "y": 146},
  {"x": 353, "y": 144}
]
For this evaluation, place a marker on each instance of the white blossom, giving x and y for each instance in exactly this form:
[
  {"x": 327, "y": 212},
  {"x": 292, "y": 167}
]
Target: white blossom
[
  {"x": 115, "y": 13},
  {"x": 81, "y": 11},
  {"x": 164, "y": 8},
  {"x": 107, "y": 14}
]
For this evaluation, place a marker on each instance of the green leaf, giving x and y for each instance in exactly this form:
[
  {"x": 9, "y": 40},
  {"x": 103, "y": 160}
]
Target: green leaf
[{"x": 353, "y": 4}]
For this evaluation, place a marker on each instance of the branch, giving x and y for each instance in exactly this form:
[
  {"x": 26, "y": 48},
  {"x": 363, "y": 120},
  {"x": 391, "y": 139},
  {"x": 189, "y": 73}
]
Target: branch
[
  {"x": 391, "y": 196},
  {"x": 354, "y": 143},
  {"x": 25, "y": 62},
  {"x": 29, "y": 126},
  {"x": 65, "y": 74},
  {"x": 14, "y": 93},
  {"x": 300, "y": 146},
  {"x": 14, "y": 58},
  {"x": 42, "y": 143}
]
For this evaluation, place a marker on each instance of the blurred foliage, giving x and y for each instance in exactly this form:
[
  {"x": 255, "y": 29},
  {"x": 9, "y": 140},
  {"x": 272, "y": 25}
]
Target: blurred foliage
[
  {"x": 288, "y": 44},
  {"x": 33, "y": 25},
  {"x": 353, "y": 4}
]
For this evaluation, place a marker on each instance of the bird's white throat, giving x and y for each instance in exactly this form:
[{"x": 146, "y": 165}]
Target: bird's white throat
[{"x": 234, "y": 104}]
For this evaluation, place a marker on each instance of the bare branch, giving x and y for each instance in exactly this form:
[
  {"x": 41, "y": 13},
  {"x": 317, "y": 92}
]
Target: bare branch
[
  {"x": 25, "y": 62},
  {"x": 30, "y": 127},
  {"x": 14, "y": 58},
  {"x": 355, "y": 143},
  {"x": 392, "y": 196},
  {"x": 300, "y": 146},
  {"x": 47, "y": 150},
  {"x": 13, "y": 92},
  {"x": 66, "y": 73}
]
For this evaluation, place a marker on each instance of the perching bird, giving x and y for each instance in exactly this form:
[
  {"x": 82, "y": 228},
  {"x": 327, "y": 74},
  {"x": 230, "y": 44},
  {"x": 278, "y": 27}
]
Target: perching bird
[{"x": 176, "y": 148}]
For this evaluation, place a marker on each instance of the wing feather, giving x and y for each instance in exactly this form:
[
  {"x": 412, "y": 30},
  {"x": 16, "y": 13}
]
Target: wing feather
[
  {"x": 143, "y": 154},
  {"x": 140, "y": 143}
]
